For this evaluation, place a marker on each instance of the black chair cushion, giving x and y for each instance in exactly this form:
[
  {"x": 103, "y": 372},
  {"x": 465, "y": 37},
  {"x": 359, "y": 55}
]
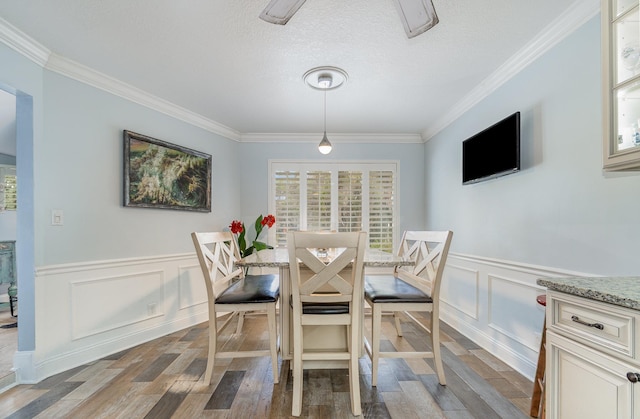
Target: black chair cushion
[
  {"x": 323, "y": 308},
  {"x": 391, "y": 289},
  {"x": 252, "y": 289}
]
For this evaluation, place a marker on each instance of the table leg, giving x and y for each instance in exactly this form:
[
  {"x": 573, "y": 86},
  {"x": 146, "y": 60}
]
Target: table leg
[{"x": 285, "y": 313}]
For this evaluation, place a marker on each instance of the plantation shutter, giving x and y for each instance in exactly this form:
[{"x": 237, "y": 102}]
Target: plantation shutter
[
  {"x": 349, "y": 201},
  {"x": 381, "y": 197},
  {"x": 10, "y": 193},
  {"x": 317, "y": 196},
  {"x": 318, "y": 200},
  {"x": 287, "y": 204}
]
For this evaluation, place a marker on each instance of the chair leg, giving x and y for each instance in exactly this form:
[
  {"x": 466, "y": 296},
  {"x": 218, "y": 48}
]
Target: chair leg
[
  {"x": 211, "y": 354},
  {"x": 396, "y": 317},
  {"x": 376, "y": 324},
  {"x": 354, "y": 375},
  {"x": 537, "y": 399},
  {"x": 435, "y": 344},
  {"x": 348, "y": 338},
  {"x": 240, "y": 322},
  {"x": 543, "y": 402},
  {"x": 273, "y": 341},
  {"x": 296, "y": 404}
]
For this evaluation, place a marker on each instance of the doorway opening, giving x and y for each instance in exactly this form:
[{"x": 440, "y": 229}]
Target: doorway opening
[{"x": 17, "y": 227}]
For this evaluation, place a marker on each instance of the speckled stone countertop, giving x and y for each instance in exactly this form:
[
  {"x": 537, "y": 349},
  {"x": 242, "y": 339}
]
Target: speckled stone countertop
[
  {"x": 621, "y": 291},
  {"x": 276, "y": 258}
]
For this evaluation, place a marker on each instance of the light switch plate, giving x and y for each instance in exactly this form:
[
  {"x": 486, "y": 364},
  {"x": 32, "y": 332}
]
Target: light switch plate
[{"x": 57, "y": 217}]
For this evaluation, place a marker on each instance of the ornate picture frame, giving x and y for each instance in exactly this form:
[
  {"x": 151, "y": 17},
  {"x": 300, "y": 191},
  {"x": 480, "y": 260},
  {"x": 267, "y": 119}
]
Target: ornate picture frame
[{"x": 158, "y": 174}]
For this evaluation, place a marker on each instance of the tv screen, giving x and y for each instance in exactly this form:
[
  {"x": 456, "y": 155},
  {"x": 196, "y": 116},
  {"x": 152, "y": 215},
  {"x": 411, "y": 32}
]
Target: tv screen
[{"x": 493, "y": 152}]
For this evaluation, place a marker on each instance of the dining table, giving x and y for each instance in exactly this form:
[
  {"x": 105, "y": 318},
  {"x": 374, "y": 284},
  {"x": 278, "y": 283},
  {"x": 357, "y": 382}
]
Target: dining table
[{"x": 322, "y": 337}]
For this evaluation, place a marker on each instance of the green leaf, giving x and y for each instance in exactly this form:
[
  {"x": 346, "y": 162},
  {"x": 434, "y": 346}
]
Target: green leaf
[
  {"x": 258, "y": 226},
  {"x": 247, "y": 252},
  {"x": 261, "y": 246},
  {"x": 242, "y": 243}
]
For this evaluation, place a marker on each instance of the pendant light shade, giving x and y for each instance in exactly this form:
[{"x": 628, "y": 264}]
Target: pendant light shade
[{"x": 325, "y": 146}]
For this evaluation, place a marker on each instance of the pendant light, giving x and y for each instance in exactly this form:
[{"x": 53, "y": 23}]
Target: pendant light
[
  {"x": 325, "y": 146},
  {"x": 325, "y": 78}
]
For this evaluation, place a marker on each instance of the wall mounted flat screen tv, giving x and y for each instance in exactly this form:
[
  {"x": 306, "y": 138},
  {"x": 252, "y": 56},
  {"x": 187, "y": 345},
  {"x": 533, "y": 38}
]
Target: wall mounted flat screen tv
[{"x": 492, "y": 152}]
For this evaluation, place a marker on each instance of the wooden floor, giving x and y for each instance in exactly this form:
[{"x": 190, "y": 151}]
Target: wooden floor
[
  {"x": 8, "y": 346},
  {"x": 164, "y": 379}
]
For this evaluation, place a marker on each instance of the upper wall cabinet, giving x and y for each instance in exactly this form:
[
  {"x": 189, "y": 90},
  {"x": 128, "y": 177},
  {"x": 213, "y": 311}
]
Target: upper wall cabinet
[{"x": 621, "y": 84}]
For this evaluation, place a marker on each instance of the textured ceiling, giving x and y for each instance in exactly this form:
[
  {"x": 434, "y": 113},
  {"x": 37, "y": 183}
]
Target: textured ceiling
[{"x": 218, "y": 59}]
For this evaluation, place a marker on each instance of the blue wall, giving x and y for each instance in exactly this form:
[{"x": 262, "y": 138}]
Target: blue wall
[
  {"x": 561, "y": 210},
  {"x": 80, "y": 171},
  {"x": 255, "y": 162}
]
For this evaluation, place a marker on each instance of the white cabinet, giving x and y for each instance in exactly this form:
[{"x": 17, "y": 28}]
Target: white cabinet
[
  {"x": 592, "y": 359},
  {"x": 621, "y": 84},
  {"x": 583, "y": 383}
]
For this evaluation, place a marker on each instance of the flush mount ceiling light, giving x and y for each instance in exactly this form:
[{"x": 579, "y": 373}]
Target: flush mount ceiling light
[
  {"x": 418, "y": 16},
  {"x": 325, "y": 78}
]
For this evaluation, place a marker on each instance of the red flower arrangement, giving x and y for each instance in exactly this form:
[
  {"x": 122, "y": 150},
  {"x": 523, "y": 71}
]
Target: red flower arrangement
[{"x": 238, "y": 229}]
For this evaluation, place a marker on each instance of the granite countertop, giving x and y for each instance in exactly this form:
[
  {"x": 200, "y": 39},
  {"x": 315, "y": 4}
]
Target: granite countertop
[
  {"x": 621, "y": 291},
  {"x": 276, "y": 258}
]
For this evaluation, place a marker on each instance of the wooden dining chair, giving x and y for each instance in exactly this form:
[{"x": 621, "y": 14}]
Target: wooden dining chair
[
  {"x": 326, "y": 291},
  {"x": 409, "y": 289},
  {"x": 229, "y": 290}
]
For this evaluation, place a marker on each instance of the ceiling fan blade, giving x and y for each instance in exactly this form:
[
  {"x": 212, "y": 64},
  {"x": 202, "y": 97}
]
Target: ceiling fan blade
[
  {"x": 280, "y": 11},
  {"x": 417, "y": 16}
]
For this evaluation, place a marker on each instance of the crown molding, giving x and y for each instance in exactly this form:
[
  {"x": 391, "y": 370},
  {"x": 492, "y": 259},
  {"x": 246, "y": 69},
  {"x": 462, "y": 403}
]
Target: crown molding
[
  {"x": 575, "y": 16},
  {"x": 109, "y": 84},
  {"x": 36, "y": 52},
  {"x": 565, "y": 24},
  {"x": 23, "y": 43},
  {"x": 344, "y": 138}
]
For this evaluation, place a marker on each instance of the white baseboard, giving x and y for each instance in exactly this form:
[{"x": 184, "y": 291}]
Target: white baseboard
[
  {"x": 24, "y": 367},
  {"x": 493, "y": 303},
  {"x": 505, "y": 353},
  {"x": 87, "y": 354}
]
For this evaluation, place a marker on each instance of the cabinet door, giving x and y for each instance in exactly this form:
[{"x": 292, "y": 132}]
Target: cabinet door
[
  {"x": 583, "y": 383},
  {"x": 621, "y": 84}
]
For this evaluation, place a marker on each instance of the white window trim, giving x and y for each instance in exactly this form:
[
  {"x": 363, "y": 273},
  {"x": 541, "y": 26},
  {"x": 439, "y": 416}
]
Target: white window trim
[{"x": 335, "y": 166}]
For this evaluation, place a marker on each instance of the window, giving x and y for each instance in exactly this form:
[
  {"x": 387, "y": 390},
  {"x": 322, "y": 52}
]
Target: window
[
  {"x": 318, "y": 196},
  {"x": 318, "y": 201},
  {"x": 8, "y": 191}
]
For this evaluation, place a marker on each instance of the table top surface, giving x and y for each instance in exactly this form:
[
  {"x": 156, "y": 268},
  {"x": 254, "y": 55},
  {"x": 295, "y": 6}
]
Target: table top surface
[{"x": 276, "y": 258}]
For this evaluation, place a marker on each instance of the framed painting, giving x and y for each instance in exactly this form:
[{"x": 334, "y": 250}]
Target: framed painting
[{"x": 158, "y": 174}]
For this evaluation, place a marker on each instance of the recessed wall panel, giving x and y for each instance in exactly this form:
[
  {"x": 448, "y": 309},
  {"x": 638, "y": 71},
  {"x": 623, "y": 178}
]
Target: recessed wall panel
[
  {"x": 459, "y": 289},
  {"x": 103, "y": 304},
  {"x": 511, "y": 304},
  {"x": 191, "y": 285}
]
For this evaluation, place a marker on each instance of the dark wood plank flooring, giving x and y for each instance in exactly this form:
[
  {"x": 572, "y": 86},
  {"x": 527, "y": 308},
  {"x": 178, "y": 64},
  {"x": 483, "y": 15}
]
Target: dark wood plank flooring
[{"x": 164, "y": 379}]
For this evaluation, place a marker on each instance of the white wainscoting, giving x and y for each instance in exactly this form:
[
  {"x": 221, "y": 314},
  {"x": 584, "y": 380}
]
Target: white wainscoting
[
  {"x": 135, "y": 304},
  {"x": 493, "y": 303},
  {"x": 85, "y": 311}
]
